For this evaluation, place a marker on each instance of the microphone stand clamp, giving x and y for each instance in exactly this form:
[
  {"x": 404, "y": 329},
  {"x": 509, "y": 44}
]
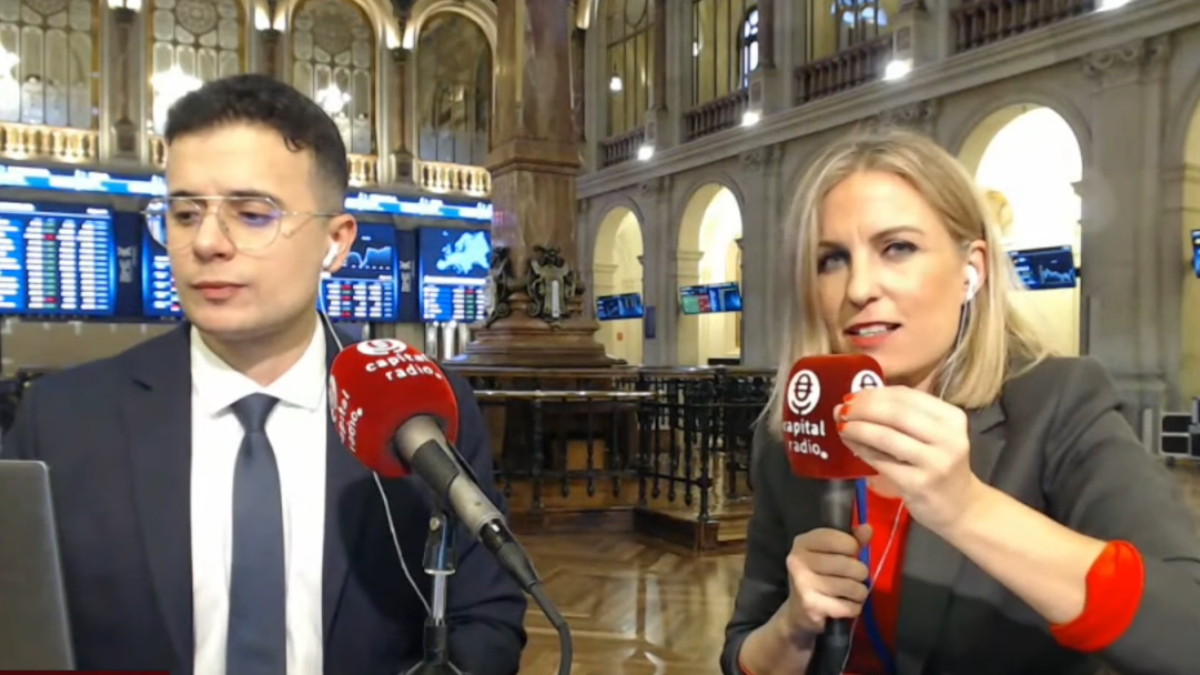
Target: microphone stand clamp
[{"x": 439, "y": 564}]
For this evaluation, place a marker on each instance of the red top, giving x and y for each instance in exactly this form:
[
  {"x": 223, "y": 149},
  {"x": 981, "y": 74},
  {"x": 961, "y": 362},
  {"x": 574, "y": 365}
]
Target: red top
[{"x": 885, "y": 597}]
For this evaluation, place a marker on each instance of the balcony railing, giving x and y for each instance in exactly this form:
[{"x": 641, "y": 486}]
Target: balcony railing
[
  {"x": 983, "y": 22},
  {"x": 474, "y": 181},
  {"x": 716, "y": 115},
  {"x": 621, "y": 148},
  {"x": 61, "y": 144},
  {"x": 852, "y": 67},
  {"x": 364, "y": 169}
]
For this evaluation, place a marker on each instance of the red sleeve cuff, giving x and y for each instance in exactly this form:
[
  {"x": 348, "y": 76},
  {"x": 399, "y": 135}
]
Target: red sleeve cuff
[{"x": 1115, "y": 584}]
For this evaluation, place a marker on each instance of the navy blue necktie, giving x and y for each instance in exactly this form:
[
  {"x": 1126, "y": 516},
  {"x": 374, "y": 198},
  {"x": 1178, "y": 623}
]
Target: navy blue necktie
[{"x": 257, "y": 642}]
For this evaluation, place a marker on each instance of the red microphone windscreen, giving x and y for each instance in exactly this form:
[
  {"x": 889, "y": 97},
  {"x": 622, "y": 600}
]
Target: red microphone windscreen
[
  {"x": 375, "y": 386},
  {"x": 815, "y": 386}
]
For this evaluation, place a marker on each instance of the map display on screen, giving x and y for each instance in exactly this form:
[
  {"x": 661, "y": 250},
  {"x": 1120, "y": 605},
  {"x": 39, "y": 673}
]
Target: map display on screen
[{"x": 454, "y": 270}]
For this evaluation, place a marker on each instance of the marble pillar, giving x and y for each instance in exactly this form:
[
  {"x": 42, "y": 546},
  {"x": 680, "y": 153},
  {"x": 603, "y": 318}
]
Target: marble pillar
[
  {"x": 125, "y": 131},
  {"x": 537, "y": 317},
  {"x": 1127, "y": 279},
  {"x": 763, "y": 228}
]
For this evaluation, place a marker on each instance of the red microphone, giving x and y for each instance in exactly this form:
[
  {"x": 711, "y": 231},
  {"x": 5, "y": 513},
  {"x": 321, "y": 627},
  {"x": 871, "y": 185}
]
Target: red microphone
[
  {"x": 816, "y": 386},
  {"x": 815, "y": 449},
  {"x": 375, "y": 387},
  {"x": 395, "y": 409}
]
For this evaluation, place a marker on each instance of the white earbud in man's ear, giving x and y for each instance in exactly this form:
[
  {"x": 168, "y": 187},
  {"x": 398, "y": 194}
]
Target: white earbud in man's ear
[
  {"x": 331, "y": 256},
  {"x": 972, "y": 283}
]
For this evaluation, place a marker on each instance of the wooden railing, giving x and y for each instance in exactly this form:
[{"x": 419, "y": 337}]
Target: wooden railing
[
  {"x": 847, "y": 69},
  {"x": 716, "y": 115},
  {"x": 445, "y": 177},
  {"x": 62, "y": 144},
  {"x": 983, "y": 22},
  {"x": 623, "y": 148}
]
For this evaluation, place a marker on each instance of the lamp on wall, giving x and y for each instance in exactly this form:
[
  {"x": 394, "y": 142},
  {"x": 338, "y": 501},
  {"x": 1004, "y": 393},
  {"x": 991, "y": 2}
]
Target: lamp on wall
[
  {"x": 332, "y": 99},
  {"x": 131, "y": 6}
]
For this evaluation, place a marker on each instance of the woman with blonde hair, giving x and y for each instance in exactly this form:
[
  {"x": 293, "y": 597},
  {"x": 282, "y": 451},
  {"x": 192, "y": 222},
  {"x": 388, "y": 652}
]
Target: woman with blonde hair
[{"x": 1016, "y": 525}]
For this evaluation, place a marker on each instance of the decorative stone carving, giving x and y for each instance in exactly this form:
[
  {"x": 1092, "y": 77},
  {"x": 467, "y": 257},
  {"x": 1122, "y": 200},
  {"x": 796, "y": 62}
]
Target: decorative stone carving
[
  {"x": 502, "y": 283},
  {"x": 761, "y": 158},
  {"x": 552, "y": 285},
  {"x": 1127, "y": 57},
  {"x": 920, "y": 116},
  {"x": 655, "y": 187}
]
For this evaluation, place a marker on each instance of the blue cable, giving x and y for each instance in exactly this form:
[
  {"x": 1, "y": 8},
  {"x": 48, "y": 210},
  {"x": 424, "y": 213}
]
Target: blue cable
[{"x": 870, "y": 623}]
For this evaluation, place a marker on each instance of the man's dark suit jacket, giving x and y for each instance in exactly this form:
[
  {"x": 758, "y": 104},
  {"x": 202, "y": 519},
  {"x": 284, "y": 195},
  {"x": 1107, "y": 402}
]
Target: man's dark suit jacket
[
  {"x": 1056, "y": 440},
  {"x": 116, "y": 434}
]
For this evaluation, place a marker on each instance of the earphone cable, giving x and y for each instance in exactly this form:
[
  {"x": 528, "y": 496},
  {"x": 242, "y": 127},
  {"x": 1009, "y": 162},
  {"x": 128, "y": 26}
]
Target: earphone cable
[{"x": 387, "y": 507}]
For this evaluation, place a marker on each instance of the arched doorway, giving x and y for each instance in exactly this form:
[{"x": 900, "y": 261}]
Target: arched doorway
[
  {"x": 617, "y": 271},
  {"x": 710, "y": 232},
  {"x": 1027, "y": 159}
]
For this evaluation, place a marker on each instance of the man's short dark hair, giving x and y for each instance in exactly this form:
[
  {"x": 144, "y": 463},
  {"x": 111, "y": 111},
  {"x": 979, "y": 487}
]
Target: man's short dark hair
[{"x": 259, "y": 99}]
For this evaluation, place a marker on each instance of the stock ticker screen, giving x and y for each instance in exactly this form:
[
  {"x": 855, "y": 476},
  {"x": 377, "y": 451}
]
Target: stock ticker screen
[
  {"x": 57, "y": 260},
  {"x": 454, "y": 272},
  {"x": 160, "y": 298},
  {"x": 365, "y": 288},
  {"x": 1045, "y": 268}
]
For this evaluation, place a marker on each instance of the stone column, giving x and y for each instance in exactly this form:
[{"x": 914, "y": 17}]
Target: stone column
[
  {"x": 763, "y": 227},
  {"x": 537, "y": 318},
  {"x": 685, "y": 271},
  {"x": 125, "y": 131},
  {"x": 1130, "y": 281},
  {"x": 270, "y": 50},
  {"x": 402, "y": 156},
  {"x": 658, "y": 292}
]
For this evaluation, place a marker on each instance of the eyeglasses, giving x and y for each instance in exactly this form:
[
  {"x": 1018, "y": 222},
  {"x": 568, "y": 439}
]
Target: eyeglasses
[{"x": 250, "y": 223}]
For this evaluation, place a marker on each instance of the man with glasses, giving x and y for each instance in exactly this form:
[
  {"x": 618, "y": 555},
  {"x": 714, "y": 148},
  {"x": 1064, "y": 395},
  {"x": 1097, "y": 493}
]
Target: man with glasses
[{"x": 210, "y": 521}]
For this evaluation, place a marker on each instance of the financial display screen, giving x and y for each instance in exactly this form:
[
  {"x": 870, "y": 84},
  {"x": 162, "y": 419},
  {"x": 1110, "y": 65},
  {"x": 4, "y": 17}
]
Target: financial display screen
[
  {"x": 619, "y": 307},
  {"x": 1196, "y": 252},
  {"x": 1045, "y": 268},
  {"x": 57, "y": 260},
  {"x": 365, "y": 288},
  {"x": 160, "y": 298},
  {"x": 454, "y": 273},
  {"x": 724, "y": 297}
]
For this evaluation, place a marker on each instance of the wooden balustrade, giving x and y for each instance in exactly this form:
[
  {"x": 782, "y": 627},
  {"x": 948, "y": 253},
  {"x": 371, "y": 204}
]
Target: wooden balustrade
[
  {"x": 623, "y": 148},
  {"x": 60, "y": 144},
  {"x": 445, "y": 177},
  {"x": 847, "y": 69},
  {"x": 984, "y": 22},
  {"x": 663, "y": 451},
  {"x": 716, "y": 115}
]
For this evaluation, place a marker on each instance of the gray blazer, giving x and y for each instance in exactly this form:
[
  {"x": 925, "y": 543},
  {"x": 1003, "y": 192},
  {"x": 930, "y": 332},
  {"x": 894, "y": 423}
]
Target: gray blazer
[{"x": 1056, "y": 440}]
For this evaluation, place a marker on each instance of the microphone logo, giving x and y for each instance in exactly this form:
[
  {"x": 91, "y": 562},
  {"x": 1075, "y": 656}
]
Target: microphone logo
[
  {"x": 381, "y": 347},
  {"x": 804, "y": 392},
  {"x": 867, "y": 379}
]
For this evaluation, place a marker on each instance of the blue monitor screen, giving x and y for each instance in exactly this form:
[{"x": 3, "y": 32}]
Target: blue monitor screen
[
  {"x": 1196, "y": 252},
  {"x": 454, "y": 270},
  {"x": 365, "y": 288},
  {"x": 724, "y": 297},
  {"x": 57, "y": 260},
  {"x": 619, "y": 307},
  {"x": 1045, "y": 268},
  {"x": 160, "y": 298}
]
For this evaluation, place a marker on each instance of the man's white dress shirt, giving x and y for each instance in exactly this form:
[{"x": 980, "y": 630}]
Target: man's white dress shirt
[{"x": 297, "y": 430}]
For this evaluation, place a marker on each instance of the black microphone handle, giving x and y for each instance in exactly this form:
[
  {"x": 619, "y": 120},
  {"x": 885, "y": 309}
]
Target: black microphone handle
[{"x": 833, "y": 649}]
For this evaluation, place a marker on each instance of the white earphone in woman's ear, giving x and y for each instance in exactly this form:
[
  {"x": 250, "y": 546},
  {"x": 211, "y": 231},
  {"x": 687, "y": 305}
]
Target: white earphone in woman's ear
[
  {"x": 972, "y": 283},
  {"x": 330, "y": 256}
]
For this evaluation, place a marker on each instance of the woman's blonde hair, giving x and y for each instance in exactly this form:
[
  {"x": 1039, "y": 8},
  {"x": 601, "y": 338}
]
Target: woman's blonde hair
[{"x": 998, "y": 343}]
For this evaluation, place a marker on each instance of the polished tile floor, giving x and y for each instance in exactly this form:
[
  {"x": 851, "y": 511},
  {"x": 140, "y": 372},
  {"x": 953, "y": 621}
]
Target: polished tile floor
[{"x": 634, "y": 609}]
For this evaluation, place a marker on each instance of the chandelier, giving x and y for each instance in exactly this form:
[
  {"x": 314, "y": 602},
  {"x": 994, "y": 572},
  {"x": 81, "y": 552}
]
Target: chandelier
[
  {"x": 332, "y": 99},
  {"x": 8, "y": 64},
  {"x": 170, "y": 86}
]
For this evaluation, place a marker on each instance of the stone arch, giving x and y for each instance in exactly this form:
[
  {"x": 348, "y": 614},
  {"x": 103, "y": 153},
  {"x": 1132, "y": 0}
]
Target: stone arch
[
  {"x": 691, "y": 210},
  {"x": 618, "y": 269},
  {"x": 971, "y": 139},
  {"x": 481, "y": 12},
  {"x": 379, "y": 13}
]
